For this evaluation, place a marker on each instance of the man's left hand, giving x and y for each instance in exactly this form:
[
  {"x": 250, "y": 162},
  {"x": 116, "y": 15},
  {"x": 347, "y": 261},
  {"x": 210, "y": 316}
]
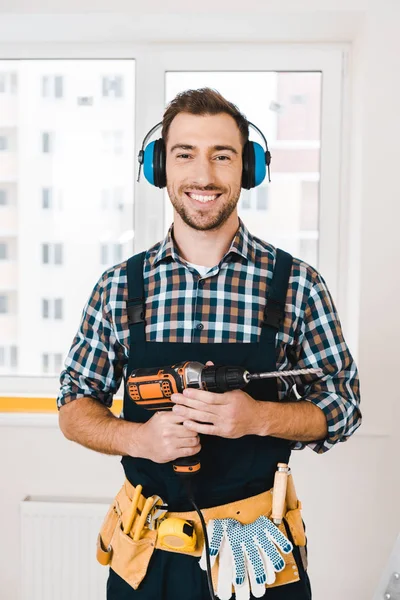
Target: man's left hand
[{"x": 230, "y": 415}]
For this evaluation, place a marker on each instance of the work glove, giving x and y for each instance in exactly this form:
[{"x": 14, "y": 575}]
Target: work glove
[{"x": 248, "y": 557}]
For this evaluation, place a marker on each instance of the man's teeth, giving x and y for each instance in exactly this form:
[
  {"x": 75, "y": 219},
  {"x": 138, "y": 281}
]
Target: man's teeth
[{"x": 202, "y": 198}]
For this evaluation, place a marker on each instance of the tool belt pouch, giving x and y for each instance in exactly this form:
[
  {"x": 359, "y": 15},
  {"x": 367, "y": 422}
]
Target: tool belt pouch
[
  {"x": 129, "y": 559},
  {"x": 296, "y": 526},
  {"x": 246, "y": 511}
]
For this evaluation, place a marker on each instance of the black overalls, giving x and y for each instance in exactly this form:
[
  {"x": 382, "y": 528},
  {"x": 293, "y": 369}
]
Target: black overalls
[{"x": 231, "y": 469}]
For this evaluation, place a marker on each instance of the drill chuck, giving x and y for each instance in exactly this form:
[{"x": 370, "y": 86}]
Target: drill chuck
[{"x": 219, "y": 379}]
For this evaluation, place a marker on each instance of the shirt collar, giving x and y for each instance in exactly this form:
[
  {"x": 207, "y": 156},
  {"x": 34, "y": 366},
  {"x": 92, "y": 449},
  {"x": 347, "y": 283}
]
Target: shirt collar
[{"x": 243, "y": 244}]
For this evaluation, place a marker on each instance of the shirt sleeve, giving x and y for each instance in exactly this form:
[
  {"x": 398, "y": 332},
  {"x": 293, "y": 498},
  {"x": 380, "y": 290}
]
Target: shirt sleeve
[
  {"x": 321, "y": 344},
  {"x": 94, "y": 365}
]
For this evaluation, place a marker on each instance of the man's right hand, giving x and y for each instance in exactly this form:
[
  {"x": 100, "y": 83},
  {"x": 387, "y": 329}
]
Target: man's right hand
[{"x": 163, "y": 438}]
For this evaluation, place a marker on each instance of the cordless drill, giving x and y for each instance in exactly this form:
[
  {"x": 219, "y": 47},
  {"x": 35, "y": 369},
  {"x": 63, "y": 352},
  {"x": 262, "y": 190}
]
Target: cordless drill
[{"x": 152, "y": 389}]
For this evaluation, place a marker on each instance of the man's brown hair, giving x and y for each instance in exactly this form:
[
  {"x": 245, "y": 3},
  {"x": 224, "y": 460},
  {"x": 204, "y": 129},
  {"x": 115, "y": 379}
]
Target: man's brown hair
[{"x": 204, "y": 101}]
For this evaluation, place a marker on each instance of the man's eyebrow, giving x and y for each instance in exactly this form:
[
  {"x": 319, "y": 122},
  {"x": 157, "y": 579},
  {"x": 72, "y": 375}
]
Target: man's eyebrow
[{"x": 218, "y": 148}]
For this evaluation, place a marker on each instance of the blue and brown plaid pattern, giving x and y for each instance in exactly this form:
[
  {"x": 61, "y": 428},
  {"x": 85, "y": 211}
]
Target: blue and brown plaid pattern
[{"x": 229, "y": 301}]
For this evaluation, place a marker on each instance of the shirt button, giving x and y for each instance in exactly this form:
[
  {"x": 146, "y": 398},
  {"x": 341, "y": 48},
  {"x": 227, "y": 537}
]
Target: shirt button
[
  {"x": 201, "y": 282},
  {"x": 199, "y": 326}
]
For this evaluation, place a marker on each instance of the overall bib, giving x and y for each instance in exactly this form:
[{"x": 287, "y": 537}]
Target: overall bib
[{"x": 231, "y": 469}]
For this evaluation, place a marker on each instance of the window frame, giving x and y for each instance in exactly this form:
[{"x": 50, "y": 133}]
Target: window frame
[{"x": 151, "y": 63}]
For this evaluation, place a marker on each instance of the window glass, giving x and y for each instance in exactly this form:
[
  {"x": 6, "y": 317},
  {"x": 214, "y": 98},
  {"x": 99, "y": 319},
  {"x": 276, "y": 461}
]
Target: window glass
[
  {"x": 57, "y": 112},
  {"x": 45, "y": 308},
  {"x": 3, "y": 303},
  {"x": 286, "y": 106},
  {"x": 3, "y": 251},
  {"x": 58, "y": 308}
]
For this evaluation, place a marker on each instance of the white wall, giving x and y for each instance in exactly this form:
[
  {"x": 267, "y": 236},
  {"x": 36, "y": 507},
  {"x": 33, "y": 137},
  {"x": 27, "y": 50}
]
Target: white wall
[{"x": 351, "y": 494}]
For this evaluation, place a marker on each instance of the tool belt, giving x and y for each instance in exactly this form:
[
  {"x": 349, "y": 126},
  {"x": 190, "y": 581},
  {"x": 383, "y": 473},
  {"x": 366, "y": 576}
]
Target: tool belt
[{"x": 130, "y": 559}]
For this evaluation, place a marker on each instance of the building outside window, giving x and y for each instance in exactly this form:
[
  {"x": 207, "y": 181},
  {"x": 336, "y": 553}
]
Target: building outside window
[
  {"x": 45, "y": 254},
  {"x": 13, "y": 356},
  {"x": 45, "y": 362},
  {"x": 8, "y": 83},
  {"x": 58, "y": 308},
  {"x": 52, "y": 254},
  {"x": 3, "y": 143},
  {"x": 3, "y": 251},
  {"x": 3, "y": 197},
  {"x": 112, "y": 86},
  {"x": 47, "y": 142},
  {"x": 3, "y": 304},
  {"x": 58, "y": 254},
  {"x": 262, "y": 197},
  {"x": 47, "y": 197},
  {"x": 52, "y": 86},
  {"x": 45, "y": 308}
]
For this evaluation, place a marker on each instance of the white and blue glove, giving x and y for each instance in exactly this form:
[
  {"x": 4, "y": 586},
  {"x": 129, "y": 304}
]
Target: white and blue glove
[{"x": 248, "y": 557}]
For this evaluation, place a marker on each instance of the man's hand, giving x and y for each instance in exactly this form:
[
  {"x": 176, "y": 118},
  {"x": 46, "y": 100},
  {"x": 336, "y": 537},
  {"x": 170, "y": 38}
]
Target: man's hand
[
  {"x": 163, "y": 438},
  {"x": 230, "y": 415}
]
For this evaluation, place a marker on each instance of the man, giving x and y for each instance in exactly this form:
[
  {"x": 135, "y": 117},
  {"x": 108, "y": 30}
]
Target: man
[{"x": 212, "y": 293}]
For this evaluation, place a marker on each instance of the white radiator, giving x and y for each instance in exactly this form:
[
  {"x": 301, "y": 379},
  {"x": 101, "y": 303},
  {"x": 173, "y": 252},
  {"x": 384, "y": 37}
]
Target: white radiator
[{"x": 58, "y": 541}]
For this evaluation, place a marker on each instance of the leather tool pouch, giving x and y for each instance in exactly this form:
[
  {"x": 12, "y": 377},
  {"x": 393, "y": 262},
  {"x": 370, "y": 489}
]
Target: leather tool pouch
[
  {"x": 296, "y": 526},
  {"x": 129, "y": 559}
]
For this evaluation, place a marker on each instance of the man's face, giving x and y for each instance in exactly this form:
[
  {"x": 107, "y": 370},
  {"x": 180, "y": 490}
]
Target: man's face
[{"x": 204, "y": 168}]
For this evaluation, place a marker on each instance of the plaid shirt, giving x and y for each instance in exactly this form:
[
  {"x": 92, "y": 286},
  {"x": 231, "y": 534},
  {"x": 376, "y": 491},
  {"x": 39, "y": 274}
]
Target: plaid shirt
[{"x": 229, "y": 301}]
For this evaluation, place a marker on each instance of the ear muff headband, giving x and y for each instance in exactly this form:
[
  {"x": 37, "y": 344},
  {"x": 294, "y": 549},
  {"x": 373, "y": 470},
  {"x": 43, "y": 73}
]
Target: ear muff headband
[{"x": 153, "y": 159}]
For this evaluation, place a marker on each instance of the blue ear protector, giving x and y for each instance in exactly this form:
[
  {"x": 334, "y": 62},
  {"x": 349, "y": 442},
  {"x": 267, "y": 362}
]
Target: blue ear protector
[{"x": 255, "y": 161}]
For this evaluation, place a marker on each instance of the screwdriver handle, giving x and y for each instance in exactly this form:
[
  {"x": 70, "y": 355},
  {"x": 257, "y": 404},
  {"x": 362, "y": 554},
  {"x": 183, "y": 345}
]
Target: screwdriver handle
[{"x": 279, "y": 493}]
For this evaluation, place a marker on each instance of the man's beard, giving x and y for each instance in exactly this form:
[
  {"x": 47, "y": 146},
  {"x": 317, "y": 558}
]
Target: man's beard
[{"x": 204, "y": 223}]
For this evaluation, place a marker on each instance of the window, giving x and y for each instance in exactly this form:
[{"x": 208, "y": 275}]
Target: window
[
  {"x": 45, "y": 308},
  {"x": 3, "y": 143},
  {"x": 111, "y": 254},
  {"x": 3, "y": 304},
  {"x": 13, "y": 357},
  {"x": 52, "y": 362},
  {"x": 45, "y": 254},
  {"x": 246, "y": 199},
  {"x": 2, "y": 356},
  {"x": 262, "y": 197},
  {"x": 3, "y": 251},
  {"x": 112, "y": 198},
  {"x": 47, "y": 197},
  {"x": 272, "y": 211},
  {"x": 112, "y": 86},
  {"x": 58, "y": 308},
  {"x": 58, "y": 360},
  {"x": 52, "y": 309},
  {"x": 113, "y": 142},
  {"x": 52, "y": 86},
  {"x": 103, "y": 254},
  {"x": 58, "y": 254},
  {"x": 8, "y": 83},
  {"x": 87, "y": 155},
  {"x": 47, "y": 142},
  {"x": 52, "y": 254},
  {"x": 67, "y": 134},
  {"x": 45, "y": 362}
]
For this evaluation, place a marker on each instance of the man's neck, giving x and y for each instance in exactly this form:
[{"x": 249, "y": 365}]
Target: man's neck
[{"x": 204, "y": 248}]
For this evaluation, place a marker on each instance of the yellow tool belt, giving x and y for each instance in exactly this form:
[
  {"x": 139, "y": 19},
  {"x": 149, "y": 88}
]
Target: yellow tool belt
[{"x": 130, "y": 559}]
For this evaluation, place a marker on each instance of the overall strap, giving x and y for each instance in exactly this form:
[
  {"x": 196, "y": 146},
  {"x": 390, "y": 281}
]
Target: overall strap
[
  {"x": 274, "y": 312},
  {"x": 136, "y": 301}
]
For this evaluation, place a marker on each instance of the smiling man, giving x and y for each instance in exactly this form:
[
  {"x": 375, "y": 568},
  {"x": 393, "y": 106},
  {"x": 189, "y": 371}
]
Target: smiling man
[{"x": 211, "y": 292}]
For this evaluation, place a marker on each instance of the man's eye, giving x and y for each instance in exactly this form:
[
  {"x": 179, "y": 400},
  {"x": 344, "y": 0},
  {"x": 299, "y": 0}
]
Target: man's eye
[
  {"x": 183, "y": 155},
  {"x": 223, "y": 157}
]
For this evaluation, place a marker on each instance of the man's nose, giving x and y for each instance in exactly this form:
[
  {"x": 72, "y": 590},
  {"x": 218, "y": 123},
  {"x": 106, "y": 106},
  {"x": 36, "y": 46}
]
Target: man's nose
[{"x": 203, "y": 171}]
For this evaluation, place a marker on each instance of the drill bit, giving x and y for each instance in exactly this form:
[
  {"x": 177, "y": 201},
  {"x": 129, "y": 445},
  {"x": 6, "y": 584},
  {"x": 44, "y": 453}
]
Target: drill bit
[{"x": 293, "y": 372}]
